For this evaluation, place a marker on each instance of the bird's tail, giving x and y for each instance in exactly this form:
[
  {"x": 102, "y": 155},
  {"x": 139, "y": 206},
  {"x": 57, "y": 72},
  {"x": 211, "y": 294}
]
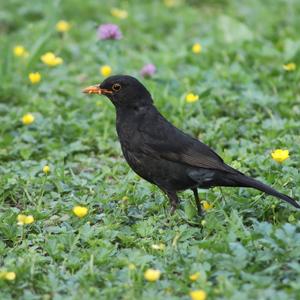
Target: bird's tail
[{"x": 245, "y": 181}]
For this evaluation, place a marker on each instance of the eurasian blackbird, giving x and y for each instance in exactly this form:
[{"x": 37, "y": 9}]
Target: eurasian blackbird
[{"x": 164, "y": 155}]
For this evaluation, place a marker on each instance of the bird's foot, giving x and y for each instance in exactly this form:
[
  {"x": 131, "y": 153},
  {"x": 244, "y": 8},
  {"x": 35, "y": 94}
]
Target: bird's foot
[
  {"x": 200, "y": 212},
  {"x": 198, "y": 204},
  {"x": 173, "y": 199}
]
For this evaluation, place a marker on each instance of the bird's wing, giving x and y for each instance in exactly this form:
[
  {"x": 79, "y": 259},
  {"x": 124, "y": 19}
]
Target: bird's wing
[{"x": 164, "y": 140}]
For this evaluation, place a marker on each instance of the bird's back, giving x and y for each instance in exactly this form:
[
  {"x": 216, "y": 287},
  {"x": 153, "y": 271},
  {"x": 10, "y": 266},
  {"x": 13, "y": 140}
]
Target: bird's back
[{"x": 162, "y": 137}]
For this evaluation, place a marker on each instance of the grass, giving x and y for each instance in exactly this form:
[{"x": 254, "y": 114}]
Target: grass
[{"x": 246, "y": 247}]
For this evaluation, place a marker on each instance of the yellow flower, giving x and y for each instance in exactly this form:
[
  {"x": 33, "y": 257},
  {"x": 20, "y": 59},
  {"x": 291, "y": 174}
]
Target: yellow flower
[
  {"x": 280, "y": 155},
  {"x": 63, "y": 26},
  {"x": 125, "y": 198},
  {"x": 28, "y": 119},
  {"x": 152, "y": 275},
  {"x": 20, "y": 51},
  {"x": 119, "y": 13},
  {"x": 197, "y": 48},
  {"x": 25, "y": 220},
  {"x": 80, "y": 211},
  {"x": 198, "y": 295},
  {"x": 171, "y": 3},
  {"x": 206, "y": 205},
  {"x": 51, "y": 60},
  {"x": 190, "y": 98},
  {"x": 160, "y": 246},
  {"x": 290, "y": 67},
  {"x": 8, "y": 275},
  {"x": 34, "y": 77},
  {"x": 195, "y": 276},
  {"x": 105, "y": 70},
  {"x": 131, "y": 267},
  {"x": 46, "y": 169}
]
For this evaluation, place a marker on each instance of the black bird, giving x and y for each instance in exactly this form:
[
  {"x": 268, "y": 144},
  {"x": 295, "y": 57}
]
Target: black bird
[{"x": 164, "y": 155}]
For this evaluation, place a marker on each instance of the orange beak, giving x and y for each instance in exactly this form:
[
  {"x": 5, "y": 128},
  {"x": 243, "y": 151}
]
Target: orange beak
[{"x": 95, "y": 89}]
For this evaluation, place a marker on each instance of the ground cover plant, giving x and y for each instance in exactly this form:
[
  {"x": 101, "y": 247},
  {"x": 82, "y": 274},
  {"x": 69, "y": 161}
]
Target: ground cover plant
[{"x": 76, "y": 222}]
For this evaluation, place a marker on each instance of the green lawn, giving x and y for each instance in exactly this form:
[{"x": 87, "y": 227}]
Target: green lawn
[{"x": 247, "y": 246}]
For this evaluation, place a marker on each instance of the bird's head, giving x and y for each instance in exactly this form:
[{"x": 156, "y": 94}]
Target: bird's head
[{"x": 122, "y": 90}]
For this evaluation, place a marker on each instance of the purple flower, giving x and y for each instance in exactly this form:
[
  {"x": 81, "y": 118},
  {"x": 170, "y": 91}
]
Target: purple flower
[
  {"x": 148, "y": 70},
  {"x": 109, "y": 32}
]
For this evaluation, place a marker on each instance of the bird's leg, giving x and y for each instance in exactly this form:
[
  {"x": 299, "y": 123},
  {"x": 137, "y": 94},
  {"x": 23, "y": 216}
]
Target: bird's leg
[
  {"x": 173, "y": 200},
  {"x": 197, "y": 200}
]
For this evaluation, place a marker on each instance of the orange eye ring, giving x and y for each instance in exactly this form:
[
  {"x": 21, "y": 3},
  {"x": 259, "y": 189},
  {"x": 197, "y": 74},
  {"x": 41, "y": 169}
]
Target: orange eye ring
[{"x": 116, "y": 87}]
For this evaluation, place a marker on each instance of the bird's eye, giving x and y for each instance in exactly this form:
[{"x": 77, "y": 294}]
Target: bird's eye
[{"x": 116, "y": 87}]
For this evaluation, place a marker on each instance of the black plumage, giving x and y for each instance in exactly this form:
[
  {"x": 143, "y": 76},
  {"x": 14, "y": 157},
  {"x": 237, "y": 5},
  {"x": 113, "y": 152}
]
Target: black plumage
[{"x": 164, "y": 155}]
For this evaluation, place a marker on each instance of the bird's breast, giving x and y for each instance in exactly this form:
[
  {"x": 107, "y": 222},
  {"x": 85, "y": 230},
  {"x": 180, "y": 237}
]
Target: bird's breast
[
  {"x": 127, "y": 128},
  {"x": 128, "y": 136}
]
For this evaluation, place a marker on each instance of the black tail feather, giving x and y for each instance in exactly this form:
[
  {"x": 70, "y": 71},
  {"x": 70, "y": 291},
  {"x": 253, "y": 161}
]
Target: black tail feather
[{"x": 245, "y": 181}]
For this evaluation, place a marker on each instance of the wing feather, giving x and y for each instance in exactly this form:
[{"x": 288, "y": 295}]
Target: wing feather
[{"x": 167, "y": 142}]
